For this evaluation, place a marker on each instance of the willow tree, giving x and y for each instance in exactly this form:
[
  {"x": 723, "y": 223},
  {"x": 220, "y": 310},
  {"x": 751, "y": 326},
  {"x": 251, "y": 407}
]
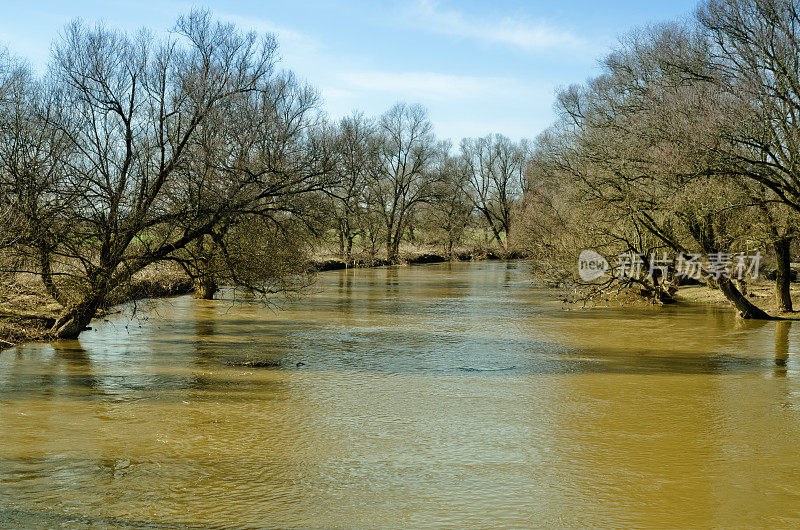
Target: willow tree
[
  {"x": 641, "y": 152},
  {"x": 136, "y": 177},
  {"x": 755, "y": 53},
  {"x": 267, "y": 158}
]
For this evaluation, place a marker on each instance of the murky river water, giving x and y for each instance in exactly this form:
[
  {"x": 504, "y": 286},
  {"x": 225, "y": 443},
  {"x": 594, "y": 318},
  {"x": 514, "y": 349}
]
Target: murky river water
[{"x": 426, "y": 395}]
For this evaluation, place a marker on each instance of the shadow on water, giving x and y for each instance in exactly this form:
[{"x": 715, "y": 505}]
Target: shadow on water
[
  {"x": 392, "y": 280},
  {"x": 61, "y": 368},
  {"x": 782, "y": 347},
  {"x": 344, "y": 301},
  {"x": 424, "y": 389}
]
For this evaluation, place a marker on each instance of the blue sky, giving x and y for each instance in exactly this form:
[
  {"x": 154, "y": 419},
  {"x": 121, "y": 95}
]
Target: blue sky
[{"x": 479, "y": 67}]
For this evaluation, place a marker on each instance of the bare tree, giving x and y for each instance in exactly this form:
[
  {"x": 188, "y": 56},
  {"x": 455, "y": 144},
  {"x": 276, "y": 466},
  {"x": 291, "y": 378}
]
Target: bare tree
[
  {"x": 755, "y": 54},
  {"x": 277, "y": 163},
  {"x": 167, "y": 142},
  {"x": 401, "y": 179},
  {"x": 448, "y": 213},
  {"x": 356, "y": 153},
  {"x": 496, "y": 168},
  {"x": 638, "y": 153}
]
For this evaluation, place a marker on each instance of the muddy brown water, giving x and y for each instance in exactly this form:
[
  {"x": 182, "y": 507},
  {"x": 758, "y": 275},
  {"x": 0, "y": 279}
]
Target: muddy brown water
[{"x": 435, "y": 395}]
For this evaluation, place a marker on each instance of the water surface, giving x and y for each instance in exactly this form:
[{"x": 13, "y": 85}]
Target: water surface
[{"x": 453, "y": 394}]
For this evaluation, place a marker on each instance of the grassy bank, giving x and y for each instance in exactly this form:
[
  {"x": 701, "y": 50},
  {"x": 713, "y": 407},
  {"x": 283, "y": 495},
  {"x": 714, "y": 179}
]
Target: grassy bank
[
  {"x": 761, "y": 293},
  {"x": 328, "y": 260},
  {"x": 27, "y": 313}
]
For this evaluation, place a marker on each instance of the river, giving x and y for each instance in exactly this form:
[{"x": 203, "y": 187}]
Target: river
[{"x": 447, "y": 395}]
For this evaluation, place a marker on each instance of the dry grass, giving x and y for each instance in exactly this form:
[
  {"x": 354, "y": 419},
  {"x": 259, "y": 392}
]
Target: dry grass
[
  {"x": 27, "y": 313},
  {"x": 761, "y": 292},
  {"x": 152, "y": 284}
]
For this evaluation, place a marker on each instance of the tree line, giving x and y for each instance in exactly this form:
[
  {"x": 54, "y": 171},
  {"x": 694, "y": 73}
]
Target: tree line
[
  {"x": 688, "y": 141},
  {"x": 393, "y": 176},
  {"x": 198, "y": 151}
]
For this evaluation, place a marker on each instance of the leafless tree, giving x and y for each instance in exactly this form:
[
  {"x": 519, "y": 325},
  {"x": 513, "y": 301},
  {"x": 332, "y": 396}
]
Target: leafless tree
[
  {"x": 496, "y": 169},
  {"x": 638, "y": 150},
  {"x": 755, "y": 54},
  {"x": 164, "y": 143},
  {"x": 356, "y": 150},
  {"x": 448, "y": 214},
  {"x": 401, "y": 179},
  {"x": 272, "y": 140}
]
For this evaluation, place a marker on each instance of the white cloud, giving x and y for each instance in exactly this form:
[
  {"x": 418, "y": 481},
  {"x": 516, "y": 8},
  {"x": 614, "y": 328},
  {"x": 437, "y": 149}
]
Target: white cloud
[
  {"x": 433, "y": 86},
  {"x": 460, "y": 105},
  {"x": 526, "y": 35},
  {"x": 292, "y": 43},
  {"x": 334, "y": 93}
]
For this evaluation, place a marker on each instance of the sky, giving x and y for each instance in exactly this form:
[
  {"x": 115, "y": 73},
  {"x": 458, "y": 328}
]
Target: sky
[{"x": 479, "y": 67}]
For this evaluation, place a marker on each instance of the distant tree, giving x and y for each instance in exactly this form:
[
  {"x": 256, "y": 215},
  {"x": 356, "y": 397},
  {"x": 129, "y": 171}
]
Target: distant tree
[
  {"x": 448, "y": 214},
  {"x": 401, "y": 179},
  {"x": 549, "y": 224},
  {"x": 496, "y": 168},
  {"x": 355, "y": 146},
  {"x": 371, "y": 222}
]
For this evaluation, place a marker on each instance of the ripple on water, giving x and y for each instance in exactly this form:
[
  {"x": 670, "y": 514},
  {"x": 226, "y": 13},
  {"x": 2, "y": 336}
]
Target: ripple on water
[{"x": 451, "y": 394}]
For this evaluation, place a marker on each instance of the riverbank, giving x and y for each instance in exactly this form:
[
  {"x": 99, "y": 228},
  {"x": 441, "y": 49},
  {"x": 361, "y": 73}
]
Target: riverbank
[
  {"x": 328, "y": 262},
  {"x": 27, "y": 313},
  {"x": 760, "y": 292}
]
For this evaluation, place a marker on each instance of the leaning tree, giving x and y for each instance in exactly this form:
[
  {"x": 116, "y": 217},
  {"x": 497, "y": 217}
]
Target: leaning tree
[{"x": 137, "y": 148}]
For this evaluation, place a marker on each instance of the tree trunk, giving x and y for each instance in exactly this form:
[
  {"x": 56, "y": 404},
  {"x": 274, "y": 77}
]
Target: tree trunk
[
  {"x": 391, "y": 253},
  {"x": 744, "y": 307},
  {"x": 394, "y": 252},
  {"x": 205, "y": 288},
  {"x": 495, "y": 231},
  {"x": 75, "y": 319},
  {"x": 783, "y": 275},
  {"x": 393, "y": 243},
  {"x": 348, "y": 251}
]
